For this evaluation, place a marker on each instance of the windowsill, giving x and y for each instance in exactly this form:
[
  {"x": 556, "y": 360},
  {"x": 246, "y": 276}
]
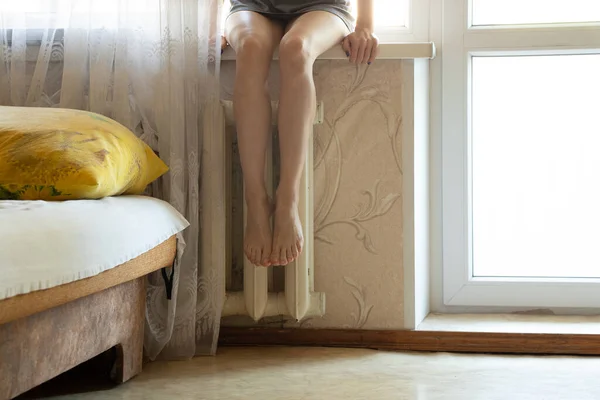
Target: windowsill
[
  {"x": 512, "y": 323},
  {"x": 387, "y": 51}
]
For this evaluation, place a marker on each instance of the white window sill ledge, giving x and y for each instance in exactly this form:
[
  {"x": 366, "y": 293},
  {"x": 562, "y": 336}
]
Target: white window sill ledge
[
  {"x": 387, "y": 51},
  {"x": 512, "y": 323}
]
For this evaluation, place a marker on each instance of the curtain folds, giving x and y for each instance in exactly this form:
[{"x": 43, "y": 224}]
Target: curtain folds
[{"x": 152, "y": 65}]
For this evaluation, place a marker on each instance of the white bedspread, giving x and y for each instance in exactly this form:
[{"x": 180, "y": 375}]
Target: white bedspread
[{"x": 46, "y": 244}]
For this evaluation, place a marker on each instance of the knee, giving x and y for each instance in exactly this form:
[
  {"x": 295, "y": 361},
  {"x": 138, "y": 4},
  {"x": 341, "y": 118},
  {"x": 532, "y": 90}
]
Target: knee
[
  {"x": 253, "y": 48},
  {"x": 295, "y": 54},
  {"x": 253, "y": 57}
]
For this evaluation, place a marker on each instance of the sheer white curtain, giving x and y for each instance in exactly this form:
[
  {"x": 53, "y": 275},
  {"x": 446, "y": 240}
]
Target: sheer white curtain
[{"x": 152, "y": 65}]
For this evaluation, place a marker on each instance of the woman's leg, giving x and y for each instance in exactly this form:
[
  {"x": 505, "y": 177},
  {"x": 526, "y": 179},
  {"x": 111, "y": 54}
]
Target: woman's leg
[
  {"x": 254, "y": 39},
  {"x": 306, "y": 38}
]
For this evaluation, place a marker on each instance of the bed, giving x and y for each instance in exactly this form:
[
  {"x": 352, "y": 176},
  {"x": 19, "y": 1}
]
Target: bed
[{"x": 72, "y": 283}]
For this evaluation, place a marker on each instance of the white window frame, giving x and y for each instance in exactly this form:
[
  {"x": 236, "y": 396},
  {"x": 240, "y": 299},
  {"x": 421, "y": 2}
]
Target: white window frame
[
  {"x": 461, "y": 41},
  {"x": 417, "y": 29}
]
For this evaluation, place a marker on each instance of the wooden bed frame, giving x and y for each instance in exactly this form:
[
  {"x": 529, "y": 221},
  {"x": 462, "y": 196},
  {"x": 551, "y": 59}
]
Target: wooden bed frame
[{"x": 48, "y": 332}]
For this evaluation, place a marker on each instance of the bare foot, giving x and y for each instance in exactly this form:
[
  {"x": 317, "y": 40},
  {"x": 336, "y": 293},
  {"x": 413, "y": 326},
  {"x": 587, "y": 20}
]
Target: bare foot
[
  {"x": 287, "y": 239},
  {"x": 258, "y": 237}
]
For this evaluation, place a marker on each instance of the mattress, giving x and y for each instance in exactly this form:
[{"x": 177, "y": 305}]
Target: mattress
[
  {"x": 48, "y": 244},
  {"x": 24, "y": 305}
]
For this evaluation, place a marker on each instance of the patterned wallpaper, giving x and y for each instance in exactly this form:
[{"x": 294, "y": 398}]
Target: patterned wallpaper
[{"x": 358, "y": 196}]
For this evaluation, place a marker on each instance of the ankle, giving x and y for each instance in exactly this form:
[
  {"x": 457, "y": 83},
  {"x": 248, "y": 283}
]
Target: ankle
[
  {"x": 256, "y": 198},
  {"x": 286, "y": 199}
]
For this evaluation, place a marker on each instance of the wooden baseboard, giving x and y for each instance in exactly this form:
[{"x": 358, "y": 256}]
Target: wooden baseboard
[{"x": 459, "y": 342}]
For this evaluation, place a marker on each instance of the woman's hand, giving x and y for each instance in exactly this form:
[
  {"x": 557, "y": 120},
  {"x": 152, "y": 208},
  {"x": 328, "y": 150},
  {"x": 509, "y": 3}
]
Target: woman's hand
[
  {"x": 361, "y": 46},
  {"x": 224, "y": 44}
]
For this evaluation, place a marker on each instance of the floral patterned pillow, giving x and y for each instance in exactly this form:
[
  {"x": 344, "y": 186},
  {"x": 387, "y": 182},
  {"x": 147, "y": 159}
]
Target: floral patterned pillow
[{"x": 60, "y": 154}]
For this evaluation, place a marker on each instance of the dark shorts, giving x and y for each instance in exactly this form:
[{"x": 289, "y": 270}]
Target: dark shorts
[{"x": 288, "y": 10}]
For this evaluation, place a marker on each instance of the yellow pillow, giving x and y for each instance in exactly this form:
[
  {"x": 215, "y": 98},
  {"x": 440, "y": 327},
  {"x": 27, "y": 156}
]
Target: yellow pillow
[{"x": 59, "y": 154}]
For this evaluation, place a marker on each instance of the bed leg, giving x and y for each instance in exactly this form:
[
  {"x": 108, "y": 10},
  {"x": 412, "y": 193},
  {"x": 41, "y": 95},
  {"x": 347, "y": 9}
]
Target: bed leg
[
  {"x": 128, "y": 363},
  {"x": 130, "y": 351}
]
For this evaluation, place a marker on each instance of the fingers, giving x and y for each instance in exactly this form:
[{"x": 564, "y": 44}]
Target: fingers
[
  {"x": 224, "y": 44},
  {"x": 367, "y": 52},
  {"x": 374, "y": 51},
  {"x": 346, "y": 46},
  {"x": 362, "y": 55},
  {"x": 360, "y": 49}
]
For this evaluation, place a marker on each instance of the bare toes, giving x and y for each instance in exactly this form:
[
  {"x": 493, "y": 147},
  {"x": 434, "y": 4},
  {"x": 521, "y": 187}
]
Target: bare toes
[
  {"x": 283, "y": 257},
  {"x": 265, "y": 262},
  {"x": 258, "y": 257},
  {"x": 274, "y": 259}
]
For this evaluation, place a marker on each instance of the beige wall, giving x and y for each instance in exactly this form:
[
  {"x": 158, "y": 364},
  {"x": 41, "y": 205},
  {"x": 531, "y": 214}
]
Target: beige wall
[{"x": 358, "y": 195}]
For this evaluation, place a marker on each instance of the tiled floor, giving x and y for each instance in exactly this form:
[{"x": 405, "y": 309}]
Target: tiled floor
[{"x": 329, "y": 374}]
